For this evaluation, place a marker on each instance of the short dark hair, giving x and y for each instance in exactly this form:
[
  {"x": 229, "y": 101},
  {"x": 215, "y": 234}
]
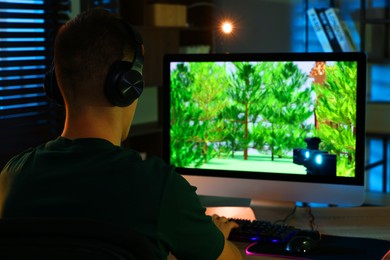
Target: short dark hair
[{"x": 85, "y": 47}]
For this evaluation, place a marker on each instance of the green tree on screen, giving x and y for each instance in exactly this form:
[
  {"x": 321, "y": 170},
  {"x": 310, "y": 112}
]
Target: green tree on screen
[
  {"x": 336, "y": 114},
  {"x": 289, "y": 105},
  {"x": 182, "y": 128},
  {"x": 208, "y": 90},
  {"x": 233, "y": 127},
  {"x": 197, "y": 97},
  {"x": 245, "y": 88}
]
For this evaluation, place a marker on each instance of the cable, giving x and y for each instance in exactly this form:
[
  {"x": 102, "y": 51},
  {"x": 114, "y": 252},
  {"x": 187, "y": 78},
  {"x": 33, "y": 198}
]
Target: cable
[
  {"x": 311, "y": 217},
  {"x": 283, "y": 221}
]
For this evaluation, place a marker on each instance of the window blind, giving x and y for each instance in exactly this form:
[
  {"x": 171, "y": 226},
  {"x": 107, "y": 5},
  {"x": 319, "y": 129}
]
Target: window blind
[{"x": 27, "y": 31}]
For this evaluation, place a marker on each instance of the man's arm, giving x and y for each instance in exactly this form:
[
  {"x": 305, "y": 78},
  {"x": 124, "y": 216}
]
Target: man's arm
[
  {"x": 230, "y": 251},
  {"x": 7, "y": 175},
  {"x": 5, "y": 183}
]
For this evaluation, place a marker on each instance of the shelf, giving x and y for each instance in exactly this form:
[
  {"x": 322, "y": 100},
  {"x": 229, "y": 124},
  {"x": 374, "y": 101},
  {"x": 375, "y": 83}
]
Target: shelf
[
  {"x": 379, "y": 61},
  {"x": 157, "y": 41},
  {"x": 145, "y": 129},
  {"x": 196, "y": 36},
  {"x": 376, "y": 21},
  {"x": 376, "y": 18}
]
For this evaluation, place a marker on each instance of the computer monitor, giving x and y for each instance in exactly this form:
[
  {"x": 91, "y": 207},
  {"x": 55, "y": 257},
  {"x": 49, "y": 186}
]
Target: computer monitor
[{"x": 268, "y": 126}]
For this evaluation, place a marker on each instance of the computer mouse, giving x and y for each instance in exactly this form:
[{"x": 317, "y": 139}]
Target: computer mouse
[{"x": 304, "y": 242}]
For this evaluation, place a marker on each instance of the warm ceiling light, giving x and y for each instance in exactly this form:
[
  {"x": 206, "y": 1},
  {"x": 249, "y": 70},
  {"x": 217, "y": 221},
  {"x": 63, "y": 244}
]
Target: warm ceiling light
[{"x": 227, "y": 27}]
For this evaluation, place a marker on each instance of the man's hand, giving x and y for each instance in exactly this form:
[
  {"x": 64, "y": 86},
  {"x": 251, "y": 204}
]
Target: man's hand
[
  {"x": 230, "y": 251},
  {"x": 224, "y": 224}
]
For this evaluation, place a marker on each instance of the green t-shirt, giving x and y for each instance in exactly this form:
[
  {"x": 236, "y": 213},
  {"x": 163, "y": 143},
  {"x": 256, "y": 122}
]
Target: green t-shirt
[{"x": 91, "y": 178}]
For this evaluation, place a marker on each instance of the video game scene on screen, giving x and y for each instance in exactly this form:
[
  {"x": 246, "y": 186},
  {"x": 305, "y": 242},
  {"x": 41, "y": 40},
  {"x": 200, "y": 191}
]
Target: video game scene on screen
[{"x": 281, "y": 117}]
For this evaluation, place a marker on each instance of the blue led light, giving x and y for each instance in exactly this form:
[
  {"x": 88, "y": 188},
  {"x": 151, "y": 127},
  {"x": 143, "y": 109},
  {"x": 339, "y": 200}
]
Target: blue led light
[
  {"x": 22, "y": 20},
  {"x": 27, "y": 86},
  {"x": 23, "y": 67},
  {"x": 25, "y": 58},
  {"x": 25, "y": 48},
  {"x": 24, "y": 1},
  {"x": 22, "y": 96},
  {"x": 34, "y": 104},
  {"x": 307, "y": 154},
  {"x": 30, "y": 7},
  {"x": 22, "y": 30},
  {"x": 318, "y": 159},
  {"x": 10, "y": 116},
  {"x": 36, "y": 39}
]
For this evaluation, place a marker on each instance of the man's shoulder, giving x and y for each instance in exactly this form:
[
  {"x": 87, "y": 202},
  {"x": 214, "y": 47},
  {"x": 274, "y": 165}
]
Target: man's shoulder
[
  {"x": 18, "y": 161},
  {"x": 22, "y": 159},
  {"x": 156, "y": 169}
]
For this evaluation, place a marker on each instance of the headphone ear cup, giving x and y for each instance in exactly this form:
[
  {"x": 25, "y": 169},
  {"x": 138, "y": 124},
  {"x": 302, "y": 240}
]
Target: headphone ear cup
[
  {"x": 51, "y": 88},
  {"x": 123, "y": 84}
]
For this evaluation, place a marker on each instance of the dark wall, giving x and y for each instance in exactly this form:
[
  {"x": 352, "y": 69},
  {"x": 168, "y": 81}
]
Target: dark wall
[{"x": 262, "y": 25}]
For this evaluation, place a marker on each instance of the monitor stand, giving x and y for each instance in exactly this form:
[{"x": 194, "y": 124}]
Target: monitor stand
[{"x": 216, "y": 201}]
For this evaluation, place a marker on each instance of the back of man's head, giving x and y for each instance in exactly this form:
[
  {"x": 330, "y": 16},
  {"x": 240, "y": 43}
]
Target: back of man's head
[{"x": 85, "y": 48}]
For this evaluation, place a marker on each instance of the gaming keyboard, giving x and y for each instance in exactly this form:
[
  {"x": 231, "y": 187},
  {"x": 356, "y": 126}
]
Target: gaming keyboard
[{"x": 261, "y": 231}]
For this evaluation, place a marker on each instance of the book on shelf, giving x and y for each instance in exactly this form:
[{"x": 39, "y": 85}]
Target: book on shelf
[
  {"x": 334, "y": 43},
  {"x": 319, "y": 29},
  {"x": 340, "y": 30}
]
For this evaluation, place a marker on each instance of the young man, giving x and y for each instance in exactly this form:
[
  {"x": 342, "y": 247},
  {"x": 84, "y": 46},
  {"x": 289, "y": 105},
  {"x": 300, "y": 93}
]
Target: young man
[{"x": 85, "y": 173}]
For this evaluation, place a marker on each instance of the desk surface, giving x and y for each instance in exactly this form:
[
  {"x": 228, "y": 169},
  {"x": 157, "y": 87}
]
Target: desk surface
[
  {"x": 366, "y": 221},
  {"x": 369, "y": 221}
]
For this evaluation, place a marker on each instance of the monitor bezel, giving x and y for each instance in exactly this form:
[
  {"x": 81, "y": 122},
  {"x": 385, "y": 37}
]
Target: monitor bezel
[{"x": 359, "y": 57}]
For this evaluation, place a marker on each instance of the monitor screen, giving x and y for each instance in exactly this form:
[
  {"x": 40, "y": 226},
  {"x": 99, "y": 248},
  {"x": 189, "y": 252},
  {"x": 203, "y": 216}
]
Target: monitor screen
[{"x": 268, "y": 126}]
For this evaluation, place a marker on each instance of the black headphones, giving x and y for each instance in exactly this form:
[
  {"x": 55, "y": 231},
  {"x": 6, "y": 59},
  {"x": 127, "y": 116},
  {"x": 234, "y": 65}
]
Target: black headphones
[{"x": 124, "y": 82}]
